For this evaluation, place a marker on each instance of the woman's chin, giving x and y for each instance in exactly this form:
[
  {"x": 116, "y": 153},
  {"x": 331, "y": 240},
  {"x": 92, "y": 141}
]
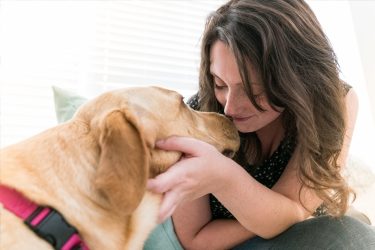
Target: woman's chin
[{"x": 245, "y": 129}]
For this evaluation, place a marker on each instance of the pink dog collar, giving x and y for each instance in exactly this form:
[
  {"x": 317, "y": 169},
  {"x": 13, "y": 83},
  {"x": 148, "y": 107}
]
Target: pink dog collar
[{"x": 46, "y": 222}]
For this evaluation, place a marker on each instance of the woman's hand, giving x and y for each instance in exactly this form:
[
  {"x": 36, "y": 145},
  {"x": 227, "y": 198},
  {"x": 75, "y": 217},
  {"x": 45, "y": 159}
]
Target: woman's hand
[{"x": 196, "y": 174}]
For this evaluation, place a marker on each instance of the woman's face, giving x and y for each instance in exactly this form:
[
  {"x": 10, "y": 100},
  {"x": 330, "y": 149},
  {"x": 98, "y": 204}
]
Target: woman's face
[{"x": 230, "y": 93}]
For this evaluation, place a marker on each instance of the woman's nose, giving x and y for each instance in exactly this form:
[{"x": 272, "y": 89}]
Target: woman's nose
[
  {"x": 236, "y": 102},
  {"x": 231, "y": 104}
]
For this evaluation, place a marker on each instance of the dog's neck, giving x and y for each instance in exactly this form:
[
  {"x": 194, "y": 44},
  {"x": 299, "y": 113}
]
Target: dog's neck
[{"x": 100, "y": 228}]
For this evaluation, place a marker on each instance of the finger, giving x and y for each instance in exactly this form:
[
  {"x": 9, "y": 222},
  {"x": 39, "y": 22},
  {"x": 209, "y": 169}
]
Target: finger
[
  {"x": 165, "y": 181},
  {"x": 162, "y": 218},
  {"x": 168, "y": 206},
  {"x": 151, "y": 185},
  {"x": 187, "y": 145},
  {"x": 157, "y": 186}
]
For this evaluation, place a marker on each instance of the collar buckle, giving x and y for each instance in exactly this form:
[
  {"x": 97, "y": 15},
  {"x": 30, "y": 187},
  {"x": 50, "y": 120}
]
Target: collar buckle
[{"x": 53, "y": 228}]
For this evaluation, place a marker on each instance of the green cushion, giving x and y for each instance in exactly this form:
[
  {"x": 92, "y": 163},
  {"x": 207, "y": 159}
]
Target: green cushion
[{"x": 66, "y": 103}]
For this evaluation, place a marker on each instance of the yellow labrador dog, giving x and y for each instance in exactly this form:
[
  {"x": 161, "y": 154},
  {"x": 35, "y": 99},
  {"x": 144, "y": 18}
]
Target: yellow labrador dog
[{"x": 93, "y": 169}]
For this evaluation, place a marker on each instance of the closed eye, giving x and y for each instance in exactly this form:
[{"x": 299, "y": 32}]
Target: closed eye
[
  {"x": 219, "y": 87},
  {"x": 218, "y": 83}
]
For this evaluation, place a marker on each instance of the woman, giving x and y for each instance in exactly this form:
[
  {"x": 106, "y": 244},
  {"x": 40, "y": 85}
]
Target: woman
[{"x": 269, "y": 67}]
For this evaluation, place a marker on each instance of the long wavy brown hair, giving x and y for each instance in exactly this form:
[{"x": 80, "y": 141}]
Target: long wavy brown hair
[{"x": 299, "y": 70}]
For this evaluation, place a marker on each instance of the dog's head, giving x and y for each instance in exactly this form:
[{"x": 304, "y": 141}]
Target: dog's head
[{"x": 128, "y": 122}]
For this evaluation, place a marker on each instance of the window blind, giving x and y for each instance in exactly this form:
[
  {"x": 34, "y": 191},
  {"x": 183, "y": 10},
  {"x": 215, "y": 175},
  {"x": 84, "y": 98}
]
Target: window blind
[{"x": 89, "y": 47}]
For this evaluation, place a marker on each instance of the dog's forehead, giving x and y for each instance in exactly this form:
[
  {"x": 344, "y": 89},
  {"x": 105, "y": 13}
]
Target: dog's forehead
[{"x": 151, "y": 94}]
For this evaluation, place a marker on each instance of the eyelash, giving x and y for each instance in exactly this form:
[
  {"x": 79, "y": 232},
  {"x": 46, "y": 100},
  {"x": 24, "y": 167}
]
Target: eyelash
[{"x": 218, "y": 86}]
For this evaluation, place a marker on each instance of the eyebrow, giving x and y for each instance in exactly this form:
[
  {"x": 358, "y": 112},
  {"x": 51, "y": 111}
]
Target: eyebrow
[{"x": 214, "y": 75}]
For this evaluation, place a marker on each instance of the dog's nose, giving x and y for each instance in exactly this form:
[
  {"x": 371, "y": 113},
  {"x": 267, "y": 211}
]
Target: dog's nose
[{"x": 229, "y": 153}]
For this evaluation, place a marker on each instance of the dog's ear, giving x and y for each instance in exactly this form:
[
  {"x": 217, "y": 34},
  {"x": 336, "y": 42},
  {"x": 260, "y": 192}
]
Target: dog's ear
[{"x": 124, "y": 162}]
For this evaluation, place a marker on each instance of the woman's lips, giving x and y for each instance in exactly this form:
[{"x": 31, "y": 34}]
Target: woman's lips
[{"x": 241, "y": 119}]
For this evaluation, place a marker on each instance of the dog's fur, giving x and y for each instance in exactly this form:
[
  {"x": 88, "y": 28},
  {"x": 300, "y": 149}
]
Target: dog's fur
[{"x": 94, "y": 168}]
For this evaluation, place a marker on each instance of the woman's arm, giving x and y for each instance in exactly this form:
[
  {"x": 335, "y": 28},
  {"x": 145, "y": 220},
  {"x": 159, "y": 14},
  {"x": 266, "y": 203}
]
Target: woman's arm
[
  {"x": 195, "y": 229},
  {"x": 261, "y": 210}
]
